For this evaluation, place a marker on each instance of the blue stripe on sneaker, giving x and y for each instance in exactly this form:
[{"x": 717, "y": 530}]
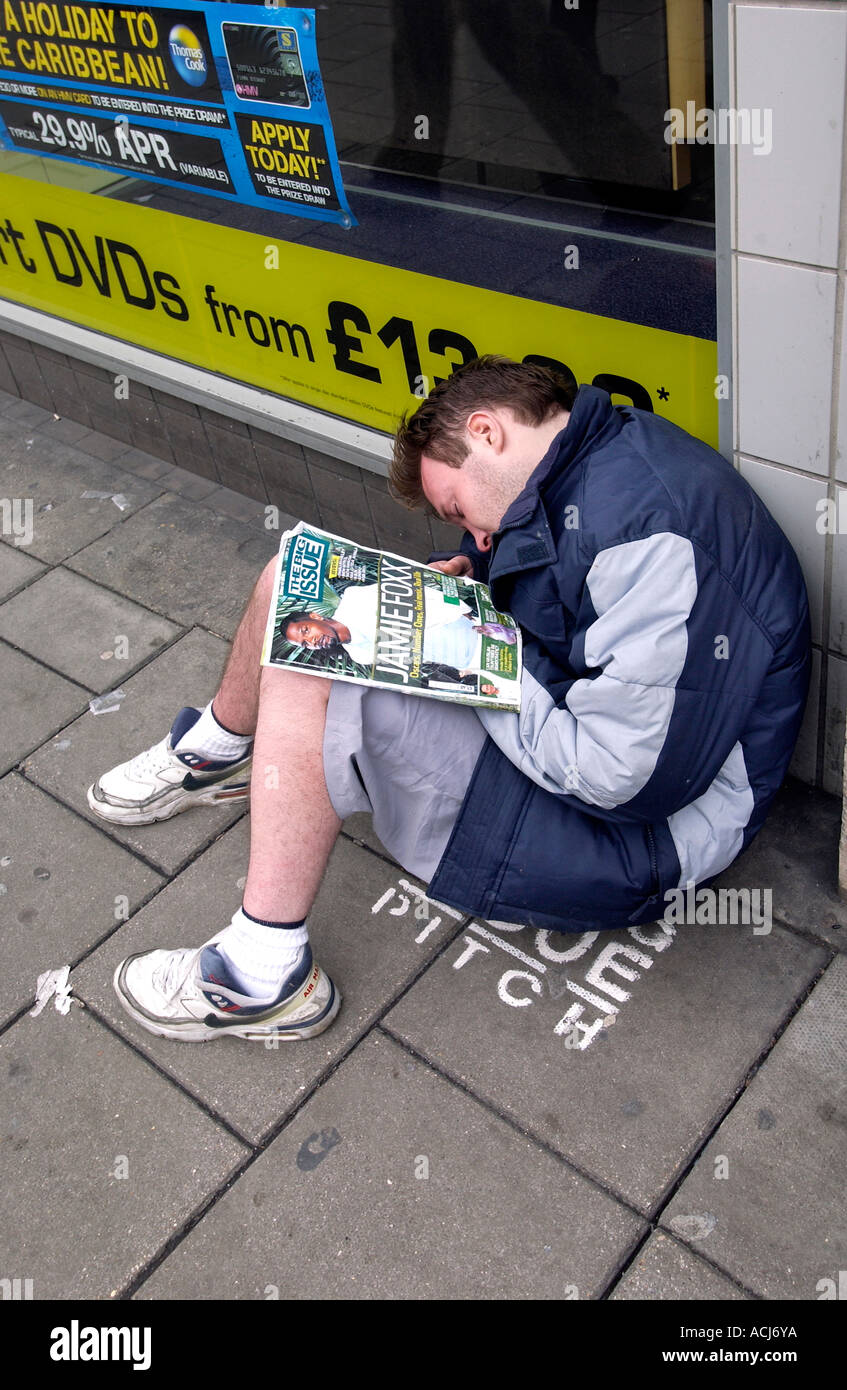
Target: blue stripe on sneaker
[
  {"x": 214, "y": 970},
  {"x": 185, "y": 720}
]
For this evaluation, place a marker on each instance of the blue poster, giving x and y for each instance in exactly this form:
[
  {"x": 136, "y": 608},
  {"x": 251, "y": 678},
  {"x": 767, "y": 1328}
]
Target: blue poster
[{"x": 225, "y": 99}]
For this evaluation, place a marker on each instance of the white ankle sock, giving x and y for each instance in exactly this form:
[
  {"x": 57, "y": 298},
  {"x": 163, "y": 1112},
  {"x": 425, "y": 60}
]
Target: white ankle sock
[
  {"x": 208, "y": 738},
  {"x": 260, "y": 957}
]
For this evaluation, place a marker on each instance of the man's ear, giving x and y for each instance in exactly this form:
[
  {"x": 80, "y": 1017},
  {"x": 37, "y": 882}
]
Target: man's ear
[{"x": 486, "y": 428}]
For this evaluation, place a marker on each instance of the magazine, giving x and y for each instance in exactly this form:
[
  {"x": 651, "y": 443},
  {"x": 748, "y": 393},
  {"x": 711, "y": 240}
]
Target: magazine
[{"x": 349, "y": 613}]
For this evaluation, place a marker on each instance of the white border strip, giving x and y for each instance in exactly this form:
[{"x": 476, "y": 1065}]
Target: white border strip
[
  {"x": 723, "y": 60},
  {"x": 356, "y": 444}
]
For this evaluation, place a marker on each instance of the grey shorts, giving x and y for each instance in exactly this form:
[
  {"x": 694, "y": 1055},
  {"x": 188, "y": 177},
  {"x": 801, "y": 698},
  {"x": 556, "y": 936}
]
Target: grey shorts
[{"x": 407, "y": 760}]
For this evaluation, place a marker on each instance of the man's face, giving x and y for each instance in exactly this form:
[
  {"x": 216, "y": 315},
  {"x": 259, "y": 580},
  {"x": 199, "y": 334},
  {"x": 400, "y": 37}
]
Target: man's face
[
  {"x": 475, "y": 496},
  {"x": 313, "y": 632},
  {"x": 503, "y": 454}
]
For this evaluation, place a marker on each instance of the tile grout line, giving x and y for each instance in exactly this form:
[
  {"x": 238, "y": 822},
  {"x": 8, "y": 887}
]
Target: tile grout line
[
  {"x": 828, "y": 642},
  {"x": 806, "y": 934},
  {"x": 689, "y": 1249},
  {"x": 254, "y": 523},
  {"x": 92, "y": 693},
  {"x": 378, "y": 1025},
  {"x": 722, "y": 1115},
  {"x": 256, "y": 1150},
  {"x": 207, "y": 502},
  {"x": 101, "y": 583},
  {"x": 168, "y": 875},
  {"x": 88, "y": 951},
  {"x": 166, "y": 646},
  {"x": 652, "y": 1217},
  {"x": 275, "y": 1131},
  {"x": 793, "y": 469},
  {"x": 39, "y": 661},
  {"x": 103, "y": 829},
  {"x": 167, "y": 1076},
  {"x": 485, "y": 1103}
]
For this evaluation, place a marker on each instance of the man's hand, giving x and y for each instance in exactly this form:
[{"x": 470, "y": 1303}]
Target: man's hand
[
  {"x": 503, "y": 634},
  {"x": 460, "y": 566}
]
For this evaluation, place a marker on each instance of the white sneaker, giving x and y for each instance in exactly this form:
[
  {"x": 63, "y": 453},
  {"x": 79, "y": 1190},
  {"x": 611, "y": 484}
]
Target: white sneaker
[
  {"x": 159, "y": 783},
  {"x": 190, "y": 995}
]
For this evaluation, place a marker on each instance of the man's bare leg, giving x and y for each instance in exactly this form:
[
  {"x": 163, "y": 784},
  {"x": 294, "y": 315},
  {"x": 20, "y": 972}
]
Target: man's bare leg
[
  {"x": 293, "y": 825},
  {"x": 150, "y": 786},
  {"x": 293, "y": 828},
  {"x": 236, "y": 704}
]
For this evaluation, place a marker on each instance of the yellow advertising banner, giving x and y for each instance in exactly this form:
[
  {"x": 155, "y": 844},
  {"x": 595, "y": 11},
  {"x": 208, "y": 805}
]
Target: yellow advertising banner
[{"x": 348, "y": 336}]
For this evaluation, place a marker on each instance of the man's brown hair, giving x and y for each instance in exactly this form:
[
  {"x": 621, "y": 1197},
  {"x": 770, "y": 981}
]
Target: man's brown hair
[{"x": 437, "y": 427}]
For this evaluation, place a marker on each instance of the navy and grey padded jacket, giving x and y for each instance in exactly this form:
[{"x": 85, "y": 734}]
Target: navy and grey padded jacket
[{"x": 667, "y": 657}]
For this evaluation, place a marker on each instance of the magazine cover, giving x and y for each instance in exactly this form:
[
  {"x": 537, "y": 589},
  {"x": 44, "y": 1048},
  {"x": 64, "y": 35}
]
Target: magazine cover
[{"x": 347, "y": 612}]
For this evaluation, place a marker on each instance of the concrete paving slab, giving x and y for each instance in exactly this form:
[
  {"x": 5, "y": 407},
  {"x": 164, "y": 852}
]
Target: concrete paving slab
[
  {"x": 190, "y": 486},
  {"x": 83, "y": 631},
  {"x": 186, "y": 674},
  {"x": 247, "y": 509},
  {"x": 145, "y": 465},
  {"x": 64, "y": 887},
  {"x": 359, "y": 828},
  {"x": 185, "y": 561},
  {"x": 370, "y": 955},
  {"x": 103, "y": 446},
  {"x": 776, "y": 1220},
  {"x": 55, "y": 475},
  {"x": 68, "y": 431},
  {"x": 26, "y": 415},
  {"x": 399, "y": 1186},
  {"x": 665, "y": 1270},
  {"x": 796, "y": 856},
  {"x": 657, "y": 1091},
  {"x": 16, "y": 568},
  {"x": 104, "y": 1159},
  {"x": 35, "y": 703},
  {"x": 656, "y": 1031}
]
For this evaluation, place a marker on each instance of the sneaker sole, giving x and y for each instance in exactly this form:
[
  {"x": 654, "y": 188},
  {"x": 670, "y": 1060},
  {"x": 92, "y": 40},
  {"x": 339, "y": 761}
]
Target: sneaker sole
[
  {"x": 125, "y": 815},
  {"x": 194, "y": 1030}
]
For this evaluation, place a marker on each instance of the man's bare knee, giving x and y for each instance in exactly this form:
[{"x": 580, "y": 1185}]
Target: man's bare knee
[
  {"x": 277, "y": 682},
  {"x": 265, "y": 582},
  {"x": 285, "y": 684},
  {"x": 259, "y": 601}
]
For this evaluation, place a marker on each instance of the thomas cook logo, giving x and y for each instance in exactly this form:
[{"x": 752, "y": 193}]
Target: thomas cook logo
[{"x": 187, "y": 55}]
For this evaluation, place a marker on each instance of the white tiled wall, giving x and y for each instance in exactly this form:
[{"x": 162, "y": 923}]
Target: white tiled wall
[
  {"x": 785, "y": 281},
  {"x": 791, "y": 61},
  {"x": 785, "y": 333},
  {"x": 841, "y": 422}
]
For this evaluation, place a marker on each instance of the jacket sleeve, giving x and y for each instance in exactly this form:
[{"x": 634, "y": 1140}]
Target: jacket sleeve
[{"x": 602, "y": 743}]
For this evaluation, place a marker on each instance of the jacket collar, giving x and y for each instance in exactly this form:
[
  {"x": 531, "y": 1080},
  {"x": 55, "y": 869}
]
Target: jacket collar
[{"x": 524, "y": 539}]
